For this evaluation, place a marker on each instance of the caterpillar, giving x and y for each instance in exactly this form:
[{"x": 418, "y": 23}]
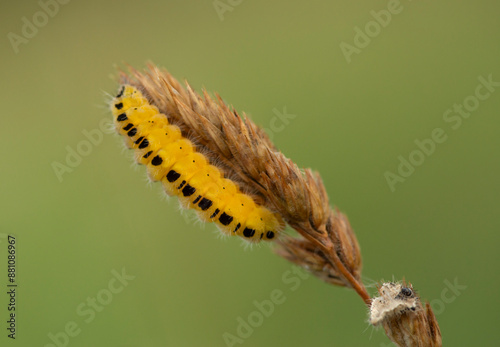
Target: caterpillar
[{"x": 186, "y": 173}]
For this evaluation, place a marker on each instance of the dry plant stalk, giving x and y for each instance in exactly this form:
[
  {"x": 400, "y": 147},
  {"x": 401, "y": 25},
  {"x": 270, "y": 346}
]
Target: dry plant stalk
[{"x": 327, "y": 247}]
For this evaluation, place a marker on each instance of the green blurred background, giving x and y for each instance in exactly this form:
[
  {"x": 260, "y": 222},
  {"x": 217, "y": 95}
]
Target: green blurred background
[{"x": 352, "y": 122}]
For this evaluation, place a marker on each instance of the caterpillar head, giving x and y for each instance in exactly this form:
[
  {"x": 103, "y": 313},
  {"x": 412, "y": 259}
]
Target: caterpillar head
[
  {"x": 267, "y": 224},
  {"x": 127, "y": 91}
]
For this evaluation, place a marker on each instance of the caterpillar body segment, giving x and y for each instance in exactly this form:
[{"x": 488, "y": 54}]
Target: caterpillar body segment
[{"x": 173, "y": 159}]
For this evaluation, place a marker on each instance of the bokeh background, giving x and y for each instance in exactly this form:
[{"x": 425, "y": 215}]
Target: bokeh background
[{"x": 353, "y": 120}]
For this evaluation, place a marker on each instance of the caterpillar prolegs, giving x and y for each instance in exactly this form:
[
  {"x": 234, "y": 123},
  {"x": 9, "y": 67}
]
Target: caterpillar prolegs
[{"x": 173, "y": 159}]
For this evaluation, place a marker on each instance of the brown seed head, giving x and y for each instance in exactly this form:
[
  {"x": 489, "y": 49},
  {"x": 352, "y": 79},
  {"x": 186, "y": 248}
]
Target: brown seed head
[{"x": 247, "y": 156}]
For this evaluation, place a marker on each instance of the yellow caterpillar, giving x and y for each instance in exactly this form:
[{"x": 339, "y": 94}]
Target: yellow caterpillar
[{"x": 186, "y": 173}]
